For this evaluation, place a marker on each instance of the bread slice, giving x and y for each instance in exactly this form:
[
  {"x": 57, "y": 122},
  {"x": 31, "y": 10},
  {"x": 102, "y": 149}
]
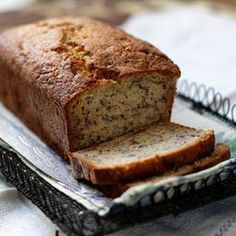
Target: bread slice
[
  {"x": 221, "y": 153},
  {"x": 146, "y": 153}
]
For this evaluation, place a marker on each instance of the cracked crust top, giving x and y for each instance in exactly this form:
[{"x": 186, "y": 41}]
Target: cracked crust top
[{"x": 66, "y": 56}]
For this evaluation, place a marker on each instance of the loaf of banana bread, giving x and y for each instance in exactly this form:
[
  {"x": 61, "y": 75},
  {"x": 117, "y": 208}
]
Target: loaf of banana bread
[
  {"x": 77, "y": 82},
  {"x": 103, "y": 99}
]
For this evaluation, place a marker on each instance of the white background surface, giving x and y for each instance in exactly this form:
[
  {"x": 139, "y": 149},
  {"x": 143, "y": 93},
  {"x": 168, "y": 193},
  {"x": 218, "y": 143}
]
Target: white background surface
[
  {"x": 7, "y": 5},
  {"x": 204, "y": 45},
  {"x": 19, "y": 217},
  {"x": 201, "y": 42}
]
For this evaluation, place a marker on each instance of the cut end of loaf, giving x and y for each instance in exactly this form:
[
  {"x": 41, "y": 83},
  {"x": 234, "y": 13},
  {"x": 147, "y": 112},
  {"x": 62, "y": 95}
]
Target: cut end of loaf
[
  {"x": 152, "y": 151},
  {"x": 117, "y": 108}
]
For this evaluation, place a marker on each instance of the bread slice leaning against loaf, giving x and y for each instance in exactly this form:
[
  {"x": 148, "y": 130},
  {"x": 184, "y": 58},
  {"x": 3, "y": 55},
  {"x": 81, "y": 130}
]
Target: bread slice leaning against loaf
[
  {"x": 221, "y": 153},
  {"x": 146, "y": 153}
]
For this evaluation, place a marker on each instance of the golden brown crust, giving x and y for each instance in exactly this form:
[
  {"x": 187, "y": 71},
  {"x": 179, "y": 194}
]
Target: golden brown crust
[
  {"x": 66, "y": 56},
  {"x": 83, "y": 168},
  {"x": 61, "y": 58},
  {"x": 221, "y": 153}
]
